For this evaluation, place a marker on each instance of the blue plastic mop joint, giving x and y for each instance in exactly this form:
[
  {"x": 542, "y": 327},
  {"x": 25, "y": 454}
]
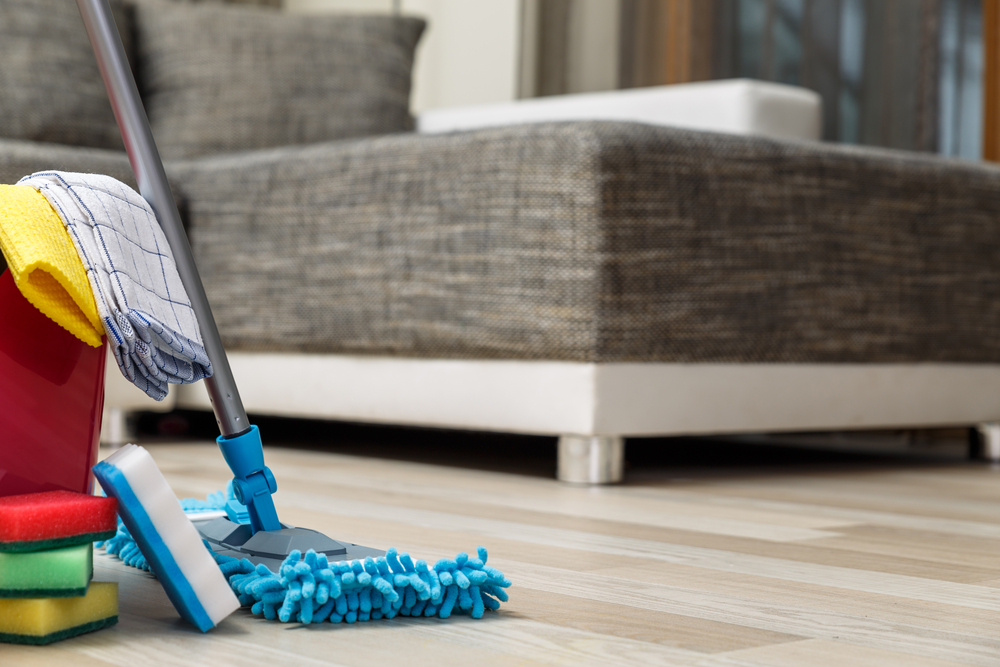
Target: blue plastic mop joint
[{"x": 253, "y": 483}]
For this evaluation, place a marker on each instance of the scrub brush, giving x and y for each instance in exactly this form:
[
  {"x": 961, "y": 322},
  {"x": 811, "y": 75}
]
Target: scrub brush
[{"x": 166, "y": 537}]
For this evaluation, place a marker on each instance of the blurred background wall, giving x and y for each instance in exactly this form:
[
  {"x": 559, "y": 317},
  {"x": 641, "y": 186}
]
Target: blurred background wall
[
  {"x": 468, "y": 55},
  {"x": 898, "y": 73}
]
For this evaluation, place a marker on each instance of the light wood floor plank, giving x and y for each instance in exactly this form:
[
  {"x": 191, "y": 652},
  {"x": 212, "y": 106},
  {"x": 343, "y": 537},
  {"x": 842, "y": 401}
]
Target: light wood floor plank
[
  {"x": 598, "y": 504},
  {"x": 852, "y": 567},
  {"x": 432, "y": 544},
  {"x": 849, "y": 516},
  {"x": 604, "y": 504},
  {"x": 725, "y": 561},
  {"x": 944, "y": 645},
  {"x": 843, "y": 492},
  {"x": 503, "y": 639},
  {"x": 927, "y": 546},
  {"x": 916, "y": 562},
  {"x": 816, "y": 596},
  {"x": 693, "y": 634},
  {"x": 820, "y": 653},
  {"x": 46, "y": 656}
]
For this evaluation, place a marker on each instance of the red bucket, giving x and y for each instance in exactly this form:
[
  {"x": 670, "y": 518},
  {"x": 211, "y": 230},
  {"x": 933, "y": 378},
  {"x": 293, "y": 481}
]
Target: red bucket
[{"x": 51, "y": 397}]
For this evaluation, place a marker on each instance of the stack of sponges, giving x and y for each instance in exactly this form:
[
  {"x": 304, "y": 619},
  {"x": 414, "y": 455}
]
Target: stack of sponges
[{"x": 46, "y": 566}]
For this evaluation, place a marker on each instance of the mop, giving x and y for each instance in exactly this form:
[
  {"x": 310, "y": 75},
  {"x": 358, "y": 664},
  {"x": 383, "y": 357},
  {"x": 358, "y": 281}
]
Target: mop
[
  {"x": 281, "y": 572},
  {"x": 305, "y": 588}
]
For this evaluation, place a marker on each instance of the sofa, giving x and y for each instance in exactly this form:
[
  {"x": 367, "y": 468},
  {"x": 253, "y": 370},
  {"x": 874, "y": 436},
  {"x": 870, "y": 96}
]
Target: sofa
[{"x": 593, "y": 280}]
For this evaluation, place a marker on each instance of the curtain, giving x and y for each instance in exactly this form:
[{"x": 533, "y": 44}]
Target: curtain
[{"x": 896, "y": 73}]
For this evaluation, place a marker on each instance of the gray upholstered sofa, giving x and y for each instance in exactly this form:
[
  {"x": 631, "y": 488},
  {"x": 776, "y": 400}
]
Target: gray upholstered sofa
[{"x": 592, "y": 280}]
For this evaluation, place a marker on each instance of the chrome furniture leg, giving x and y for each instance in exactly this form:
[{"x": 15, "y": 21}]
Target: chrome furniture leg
[
  {"x": 987, "y": 437},
  {"x": 590, "y": 459}
]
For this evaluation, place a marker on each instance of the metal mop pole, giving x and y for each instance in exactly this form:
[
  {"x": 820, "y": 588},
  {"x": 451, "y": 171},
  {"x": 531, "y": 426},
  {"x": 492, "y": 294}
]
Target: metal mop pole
[{"x": 240, "y": 442}]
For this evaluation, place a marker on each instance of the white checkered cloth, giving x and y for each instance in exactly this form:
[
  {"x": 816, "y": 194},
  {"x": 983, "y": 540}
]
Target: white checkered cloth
[{"x": 146, "y": 312}]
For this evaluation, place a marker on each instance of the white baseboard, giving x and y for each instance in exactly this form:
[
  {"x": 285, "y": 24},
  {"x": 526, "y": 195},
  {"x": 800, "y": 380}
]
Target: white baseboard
[{"x": 618, "y": 399}]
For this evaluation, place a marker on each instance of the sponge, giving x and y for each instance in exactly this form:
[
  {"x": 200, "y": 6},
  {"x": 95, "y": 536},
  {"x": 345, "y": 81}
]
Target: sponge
[
  {"x": 171, "y": 544},
  {"x": 45, "y": 620},
  {"x": 36, "y": 521},
  {"x": 53, "y": 573}
]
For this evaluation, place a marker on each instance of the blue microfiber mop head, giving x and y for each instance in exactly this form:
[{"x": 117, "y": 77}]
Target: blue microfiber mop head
[{"x": 308, "y": 589}]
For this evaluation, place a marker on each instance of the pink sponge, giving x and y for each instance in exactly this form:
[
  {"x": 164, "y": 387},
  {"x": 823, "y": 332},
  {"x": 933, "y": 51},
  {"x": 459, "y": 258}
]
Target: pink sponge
[{"x": 36, "y": 521}]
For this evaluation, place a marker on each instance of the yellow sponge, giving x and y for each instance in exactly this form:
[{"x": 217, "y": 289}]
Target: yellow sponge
[
  {"x": 45, "y": 620},
  {"x": 44, "y": 264}
]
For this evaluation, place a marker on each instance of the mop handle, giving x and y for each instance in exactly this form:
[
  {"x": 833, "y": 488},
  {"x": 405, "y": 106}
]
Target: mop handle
[{"x": 153, "y": 187}]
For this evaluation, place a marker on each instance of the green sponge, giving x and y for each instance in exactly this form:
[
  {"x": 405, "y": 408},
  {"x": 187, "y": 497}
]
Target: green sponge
[{"x": 54, "y": 573}]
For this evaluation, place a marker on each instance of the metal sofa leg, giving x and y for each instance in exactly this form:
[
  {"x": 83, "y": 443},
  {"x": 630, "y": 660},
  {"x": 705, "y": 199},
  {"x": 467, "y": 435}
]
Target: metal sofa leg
[
  {"x": 590, "y": 459},
  {"x": 985, "y": 442}
]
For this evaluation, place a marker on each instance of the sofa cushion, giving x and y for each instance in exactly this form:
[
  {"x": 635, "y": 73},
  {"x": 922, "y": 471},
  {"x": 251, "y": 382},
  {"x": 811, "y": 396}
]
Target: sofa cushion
[
  {"x": 264, "y": 3},
  {"x": 269, "y": 3},
  {"x": 219, "y": 79},
  {"x": 50, "y": 87},
  {"x": 600, "y": 242}
]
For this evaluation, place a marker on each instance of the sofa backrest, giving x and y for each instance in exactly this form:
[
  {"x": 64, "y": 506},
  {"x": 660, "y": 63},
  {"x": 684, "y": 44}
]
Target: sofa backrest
[
  {"x": 50, "y": 87},
  {"x": 219, "y": 79},
  {"x": 214, "y": 79}
]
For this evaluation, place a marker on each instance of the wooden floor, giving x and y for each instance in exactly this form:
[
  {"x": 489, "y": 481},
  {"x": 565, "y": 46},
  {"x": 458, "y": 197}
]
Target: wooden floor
[{"x": 838, "y": 562}]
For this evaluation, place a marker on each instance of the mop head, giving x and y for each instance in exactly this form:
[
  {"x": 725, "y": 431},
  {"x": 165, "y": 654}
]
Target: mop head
[{"x": 309, "y": 589}]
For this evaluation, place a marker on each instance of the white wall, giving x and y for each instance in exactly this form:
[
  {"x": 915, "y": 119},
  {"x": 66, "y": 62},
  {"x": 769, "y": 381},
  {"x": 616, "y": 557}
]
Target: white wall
[
  {"x": 593, "y": 46},
  {"x": 468, "y": 55}
]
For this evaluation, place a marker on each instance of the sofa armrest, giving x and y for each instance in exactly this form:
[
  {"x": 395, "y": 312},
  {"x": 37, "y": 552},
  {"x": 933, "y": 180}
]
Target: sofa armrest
[
  {"x": 21, "y": 158},
  {"x": 737, "y": 106},
  {"x": 600, "y": 241}
]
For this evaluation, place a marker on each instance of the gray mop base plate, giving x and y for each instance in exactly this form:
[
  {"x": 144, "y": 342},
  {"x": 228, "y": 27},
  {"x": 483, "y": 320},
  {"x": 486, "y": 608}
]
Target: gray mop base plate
[{"x": 271, "y": 547}]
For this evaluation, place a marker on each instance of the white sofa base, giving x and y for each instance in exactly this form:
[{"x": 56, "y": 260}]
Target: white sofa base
[
  {"x": 619, "y": 399},
  {"x": 593, "y": 406},
  {"x": 122, "y": 397}
]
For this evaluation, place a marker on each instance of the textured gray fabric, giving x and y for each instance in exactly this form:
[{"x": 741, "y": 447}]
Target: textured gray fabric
[
  {"x": 262, "y": 3},
  {"x": 50, "y": 87},
  {"x": 21, "y": 158},
  {"x": 600, "y": 242},
  {"x": 219, "y": 79}
]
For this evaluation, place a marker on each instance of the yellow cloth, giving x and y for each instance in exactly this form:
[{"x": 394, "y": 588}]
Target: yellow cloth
[{"x": 44, "y": 264}]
